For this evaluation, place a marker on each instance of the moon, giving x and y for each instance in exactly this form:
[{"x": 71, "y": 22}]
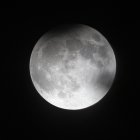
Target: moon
[{"x": 72, "y": 66}]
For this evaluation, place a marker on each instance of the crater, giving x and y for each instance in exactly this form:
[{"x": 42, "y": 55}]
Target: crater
[{"x": 62, "y": 94}]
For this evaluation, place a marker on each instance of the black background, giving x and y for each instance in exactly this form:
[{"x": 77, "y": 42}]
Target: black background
[{"x": 29, "y": 115}]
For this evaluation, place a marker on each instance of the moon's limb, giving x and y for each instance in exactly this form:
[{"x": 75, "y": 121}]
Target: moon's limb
[{"x": 74, "y": 72}]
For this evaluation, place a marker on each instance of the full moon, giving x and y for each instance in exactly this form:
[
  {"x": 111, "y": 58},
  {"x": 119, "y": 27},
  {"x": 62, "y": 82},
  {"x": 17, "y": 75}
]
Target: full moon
[{"x": 72, "y": 66}]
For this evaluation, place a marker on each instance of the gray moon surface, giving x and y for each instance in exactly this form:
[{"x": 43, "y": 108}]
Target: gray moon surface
[{"x": 72, "y": 67}]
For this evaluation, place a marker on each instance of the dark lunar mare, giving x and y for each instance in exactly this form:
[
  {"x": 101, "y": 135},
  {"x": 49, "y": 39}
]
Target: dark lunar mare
[
  {"x": 103, "y": 51},
  {"x": 52, "y": 48},
  {"x": 50, "y": 52},
  {"x": 74, "y": 45},
  {"x": 48, "y": 56},
  {"x": 88, "y": 49}
]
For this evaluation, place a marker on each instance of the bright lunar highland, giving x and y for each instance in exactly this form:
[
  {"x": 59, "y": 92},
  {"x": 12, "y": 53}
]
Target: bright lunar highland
[{"x": 72, "y": 67}]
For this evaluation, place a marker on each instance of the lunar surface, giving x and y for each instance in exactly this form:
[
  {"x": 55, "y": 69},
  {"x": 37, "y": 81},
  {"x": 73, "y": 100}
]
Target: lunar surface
[{"x": 72, "y": 67}]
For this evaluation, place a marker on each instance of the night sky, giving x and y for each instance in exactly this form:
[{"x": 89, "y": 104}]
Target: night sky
[{"x": 28, "y": 115}]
